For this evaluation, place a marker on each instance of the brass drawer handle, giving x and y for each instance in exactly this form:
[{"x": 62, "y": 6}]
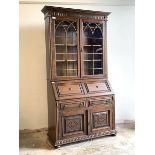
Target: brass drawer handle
[
  {"x": 81, "y": 104},
  {"x": 70, "y": 89},
  {"x": 106, "y": 101}
]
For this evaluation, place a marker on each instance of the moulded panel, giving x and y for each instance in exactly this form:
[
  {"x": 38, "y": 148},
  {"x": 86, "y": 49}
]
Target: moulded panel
[
  {"x": 73, "y": 124},
  {"x": 101, "y": 119}
]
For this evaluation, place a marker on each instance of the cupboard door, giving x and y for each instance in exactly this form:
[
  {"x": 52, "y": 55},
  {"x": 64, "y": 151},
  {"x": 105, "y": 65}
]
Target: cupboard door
[
  {"x": 73, "y": 119},
  {"x": 66, "y": 48},
  {"x": 100, "y": 116},
  {"x": 92, "y": 48}
]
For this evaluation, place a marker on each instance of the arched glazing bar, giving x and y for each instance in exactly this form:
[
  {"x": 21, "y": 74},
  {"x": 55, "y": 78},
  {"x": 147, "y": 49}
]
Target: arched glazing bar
[
  {"x": 66, "y": 48},
  {"x": 93, "y": 48}
]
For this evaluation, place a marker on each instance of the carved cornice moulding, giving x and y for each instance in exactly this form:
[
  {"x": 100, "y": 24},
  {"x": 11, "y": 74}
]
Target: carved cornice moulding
[{"x": 80, "y": 2}]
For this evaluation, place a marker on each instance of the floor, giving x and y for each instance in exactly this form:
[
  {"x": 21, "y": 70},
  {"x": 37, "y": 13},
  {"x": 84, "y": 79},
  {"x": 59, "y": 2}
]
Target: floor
[{"x": 122, "y": 144}]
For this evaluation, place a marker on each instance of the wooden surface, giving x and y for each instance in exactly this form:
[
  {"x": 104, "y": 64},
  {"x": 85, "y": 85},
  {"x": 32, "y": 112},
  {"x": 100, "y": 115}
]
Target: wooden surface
[{"x": 82, "y": 106}]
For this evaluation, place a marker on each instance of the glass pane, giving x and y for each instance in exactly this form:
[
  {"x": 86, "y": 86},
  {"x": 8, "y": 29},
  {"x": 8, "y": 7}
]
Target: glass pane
[
  {"x": 66, "y": 48},
  {"x": 60, "y": 57},
  {"x": 98, "y": 71},
  {"x": 60, "y": 49},
  {"x": 72, "y": 65},
  {"x": 60, "y": 40},
  {"x": 97, "y": 64},
  {"x": 98, "y": 56},
  {"x": 88, "y": 57},
  {"x": 88, "y": 49},
  {"x": 88, "y": 71},
  {"x": 88, "y": 64},
  {"x": 61, "y": 68},
  {"x": 72, "y": 73},
  {"x": 71, "y": 35},
  {"x": 72, "y": 56},
  {"x": 72, "y": 49},
  {"x": 93, "y": 48}
]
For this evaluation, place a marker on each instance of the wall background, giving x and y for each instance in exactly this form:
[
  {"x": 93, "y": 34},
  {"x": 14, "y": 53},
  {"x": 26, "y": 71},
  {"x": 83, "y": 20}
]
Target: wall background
[{"x": 33, "y": 93}]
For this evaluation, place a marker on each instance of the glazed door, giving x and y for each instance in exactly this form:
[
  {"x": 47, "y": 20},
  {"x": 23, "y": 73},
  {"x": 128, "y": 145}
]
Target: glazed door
[
  {"x": 100, "y": 115},
  {"x": 92, "y": 48},
  {"x": 66, "y": 44},
  {"x": 73, "y": 119}
]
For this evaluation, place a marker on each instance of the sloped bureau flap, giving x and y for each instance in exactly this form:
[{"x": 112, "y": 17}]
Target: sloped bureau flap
[{"x": 78, "y": 89}]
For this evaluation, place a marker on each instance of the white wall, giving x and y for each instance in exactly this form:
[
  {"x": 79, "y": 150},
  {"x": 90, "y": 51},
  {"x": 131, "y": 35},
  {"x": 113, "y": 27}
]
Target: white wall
[{"x": 33, "y": 95}]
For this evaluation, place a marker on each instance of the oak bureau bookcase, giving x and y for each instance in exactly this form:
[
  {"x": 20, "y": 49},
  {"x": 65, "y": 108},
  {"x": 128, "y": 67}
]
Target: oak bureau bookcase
[{"x": 81, "y": 103}]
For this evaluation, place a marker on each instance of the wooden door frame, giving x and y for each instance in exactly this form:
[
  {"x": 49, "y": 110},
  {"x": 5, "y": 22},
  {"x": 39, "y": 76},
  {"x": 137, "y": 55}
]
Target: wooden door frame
[
  {"x": 53, "y": 50},
  {"x": 104, "y": 75}
]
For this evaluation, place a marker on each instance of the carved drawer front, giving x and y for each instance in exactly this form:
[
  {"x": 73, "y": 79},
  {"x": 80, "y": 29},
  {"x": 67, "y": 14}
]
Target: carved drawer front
[
  {"x": 100, "y": 86},
  {"x": 72, "y": 105},
  {"x": 64, "y": 89},
  {"x": 98, "y": 101}
]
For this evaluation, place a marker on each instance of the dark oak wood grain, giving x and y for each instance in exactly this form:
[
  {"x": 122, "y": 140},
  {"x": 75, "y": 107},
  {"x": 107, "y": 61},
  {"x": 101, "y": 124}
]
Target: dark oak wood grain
[{"x": 81, "y": 102}]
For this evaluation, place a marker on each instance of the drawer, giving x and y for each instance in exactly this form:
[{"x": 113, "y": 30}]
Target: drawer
[
  {"x": 97, "y": 86},
  {"x": 67, "y": 105},
  {"x": 105, "y": 101},
  {"x": 65, "y": 89}
]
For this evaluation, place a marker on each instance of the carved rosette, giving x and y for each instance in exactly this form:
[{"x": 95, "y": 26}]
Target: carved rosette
[{"x": 73, "y": 125}]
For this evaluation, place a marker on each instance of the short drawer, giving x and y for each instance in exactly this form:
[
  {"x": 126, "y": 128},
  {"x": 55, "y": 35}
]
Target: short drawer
[
  {"x": 67, "y": 105},
  {"x": 100, "y": 101}
]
